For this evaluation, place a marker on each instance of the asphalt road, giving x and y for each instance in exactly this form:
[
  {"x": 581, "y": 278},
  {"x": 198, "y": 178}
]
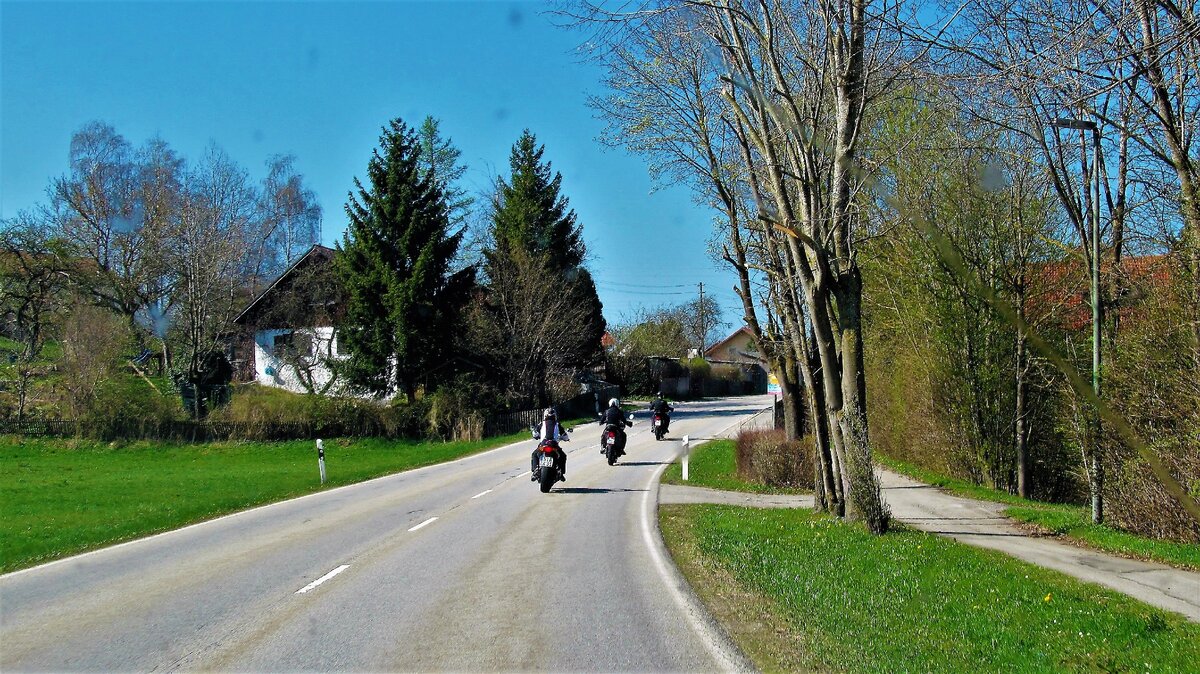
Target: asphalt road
[{"x": 461, "y": 566}]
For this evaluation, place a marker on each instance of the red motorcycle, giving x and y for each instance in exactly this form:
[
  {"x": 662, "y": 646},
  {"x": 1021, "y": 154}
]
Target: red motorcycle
[{"x": 548, "y": 472}]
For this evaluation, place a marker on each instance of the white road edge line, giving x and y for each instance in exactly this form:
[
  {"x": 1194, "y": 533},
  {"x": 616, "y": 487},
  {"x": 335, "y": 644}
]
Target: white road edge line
[
  {"x": 482, "y": 493},
  {"x": 720, "y": 645},
  {"x": 322, "y": 579},
  {"x": 427, "y": 522}
]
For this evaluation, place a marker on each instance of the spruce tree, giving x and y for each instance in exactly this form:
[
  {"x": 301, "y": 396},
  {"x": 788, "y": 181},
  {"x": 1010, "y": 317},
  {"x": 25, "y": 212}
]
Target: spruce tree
[
  {"x": 530, "y": 213},
  {"x": 536, "y": 257},
  {"x": 440, "y": 158},
  {"x": 395, "y": 261}
]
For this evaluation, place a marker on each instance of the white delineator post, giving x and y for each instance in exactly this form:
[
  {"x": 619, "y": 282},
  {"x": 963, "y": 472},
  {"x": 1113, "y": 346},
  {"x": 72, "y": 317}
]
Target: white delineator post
[
  {"x": 321, "y": 459},
  {"x": 687, "y": 450}
]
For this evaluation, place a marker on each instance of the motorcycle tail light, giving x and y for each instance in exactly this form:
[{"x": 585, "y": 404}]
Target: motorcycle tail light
[{"x": 547, "y": 449}]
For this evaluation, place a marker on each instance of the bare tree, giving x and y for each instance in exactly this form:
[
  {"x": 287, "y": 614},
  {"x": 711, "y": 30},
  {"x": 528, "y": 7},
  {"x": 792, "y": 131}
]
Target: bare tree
[
  {"x": 800, "y": 81},
  {"x": 112, "y": 207},
  {"x": 527, "y": 328},
  {"x": 288, "y": 219},
  {"x": 309, "y": 303},
  {"x": 208, "y": 249},
  {"x": 33, "y": 295}
]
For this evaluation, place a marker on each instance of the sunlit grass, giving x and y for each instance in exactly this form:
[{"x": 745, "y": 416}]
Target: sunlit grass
[
  {"x": 841, "y": 599},
  {"x": 61, "y": 497}
]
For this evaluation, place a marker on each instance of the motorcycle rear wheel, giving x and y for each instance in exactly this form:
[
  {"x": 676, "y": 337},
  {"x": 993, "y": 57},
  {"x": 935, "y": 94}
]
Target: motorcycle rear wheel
[{"x": 547, "y": 479}]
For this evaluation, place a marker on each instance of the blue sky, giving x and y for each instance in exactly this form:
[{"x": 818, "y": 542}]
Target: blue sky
[{"x": 318, "y": 80}]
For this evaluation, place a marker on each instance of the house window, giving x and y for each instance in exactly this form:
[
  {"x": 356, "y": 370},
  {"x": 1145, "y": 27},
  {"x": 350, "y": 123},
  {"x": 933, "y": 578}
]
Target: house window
[{"x": 296, "y": 342}]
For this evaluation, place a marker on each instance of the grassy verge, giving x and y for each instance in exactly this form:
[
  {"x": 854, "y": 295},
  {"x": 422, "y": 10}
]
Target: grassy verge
[
  {"x": 713, "y": 465},
  {"x": 1072, "y": 522},
  {"x": 813, "y": 593},
  {"x": 61, "y": 497}
]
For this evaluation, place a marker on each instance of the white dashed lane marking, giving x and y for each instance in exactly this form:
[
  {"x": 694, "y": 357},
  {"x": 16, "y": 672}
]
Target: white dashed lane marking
[
  {"x": 322, "y": 579},
  {"x": 427, "y": 522}
]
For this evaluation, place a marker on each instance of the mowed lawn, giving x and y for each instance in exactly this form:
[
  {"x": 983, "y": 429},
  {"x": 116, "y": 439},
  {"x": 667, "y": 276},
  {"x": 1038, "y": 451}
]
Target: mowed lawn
[
  {"x": 804, "y": 591},
  {"x": 61, "y": 497}
]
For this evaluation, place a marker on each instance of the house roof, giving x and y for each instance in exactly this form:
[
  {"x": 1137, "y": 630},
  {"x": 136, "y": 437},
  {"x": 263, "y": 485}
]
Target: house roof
[
  {"x": 712, "y": 350},
  {"x": 316, "y": 252},
  {"x": 1067, "y": 301}
]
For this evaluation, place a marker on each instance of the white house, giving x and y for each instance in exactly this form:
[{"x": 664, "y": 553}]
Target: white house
[{"x": 287, "y": 337}]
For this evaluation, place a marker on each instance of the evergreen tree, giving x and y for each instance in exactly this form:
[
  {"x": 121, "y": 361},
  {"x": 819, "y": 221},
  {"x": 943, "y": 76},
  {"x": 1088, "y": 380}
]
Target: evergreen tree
[
  {"x": 395, "y": 260},
  {"x": 440, "y": 158},
  {"x": 541, "y": 313},
  {"x": 529, "y": 213}
]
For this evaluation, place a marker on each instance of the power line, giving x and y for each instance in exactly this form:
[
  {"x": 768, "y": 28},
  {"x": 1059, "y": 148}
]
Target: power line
[{"x": 643, "y": 285}]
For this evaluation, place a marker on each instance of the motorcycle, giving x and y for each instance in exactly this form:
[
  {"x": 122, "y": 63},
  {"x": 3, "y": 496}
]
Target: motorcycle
[
  {"x": 547, "y": 472},
  {"x": 658, "y": 427},
  {"x": 609, "y": 440}
]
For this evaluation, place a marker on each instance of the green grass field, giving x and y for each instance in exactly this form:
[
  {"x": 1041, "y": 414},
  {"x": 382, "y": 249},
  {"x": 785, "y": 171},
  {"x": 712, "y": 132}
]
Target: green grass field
[
  {"x": 61, "y": 497},
  {"x": 804, "y": 591},
  {"x": 713, "y": 465},
  {"x": 1061, "y": 519}
]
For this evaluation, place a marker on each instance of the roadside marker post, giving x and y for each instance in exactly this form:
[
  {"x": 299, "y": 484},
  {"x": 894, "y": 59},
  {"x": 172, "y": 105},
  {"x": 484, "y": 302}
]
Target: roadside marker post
[
  {"x": 687, "y": 450},
  {"x": 321, "y": 458}
]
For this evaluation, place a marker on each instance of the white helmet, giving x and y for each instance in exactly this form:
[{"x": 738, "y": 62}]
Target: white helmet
[
  {"x": 614, "y": 403},
  {"x": 549, "y": 413}
]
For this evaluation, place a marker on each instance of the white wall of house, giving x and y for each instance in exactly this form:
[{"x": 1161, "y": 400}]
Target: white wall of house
[{"x": 270, "y": 370}]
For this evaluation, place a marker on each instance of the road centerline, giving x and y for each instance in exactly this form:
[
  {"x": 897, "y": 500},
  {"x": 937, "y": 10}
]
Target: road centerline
[
  {"x": 426, "y": 523},
  {"x": 322, "y": 579}
]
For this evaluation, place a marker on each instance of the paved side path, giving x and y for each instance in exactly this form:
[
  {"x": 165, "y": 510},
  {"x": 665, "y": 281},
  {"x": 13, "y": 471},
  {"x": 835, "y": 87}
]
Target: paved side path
[{"x": 980, "y": 523}]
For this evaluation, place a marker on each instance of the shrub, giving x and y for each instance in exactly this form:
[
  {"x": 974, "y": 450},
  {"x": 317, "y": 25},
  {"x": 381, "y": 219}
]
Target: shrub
[
  {"x": 457, "y": 409},
  {"x": 698, "y": 368},
  {"x": 125, "y": 407},
  {"x": 257, "y": 409},
  {"x": 731, "y": 373},
  {"x": 767, "y": 457},
  {"x": 93, "y": 341}
]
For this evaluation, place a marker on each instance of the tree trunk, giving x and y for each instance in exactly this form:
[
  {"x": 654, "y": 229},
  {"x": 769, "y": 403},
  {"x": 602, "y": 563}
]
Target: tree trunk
[
  {"x": 790, "y": 398},
  {"x": 1022, "y": 428},
  {"x": 826, "y": 482},
  {"x": 865, "y": 495}
]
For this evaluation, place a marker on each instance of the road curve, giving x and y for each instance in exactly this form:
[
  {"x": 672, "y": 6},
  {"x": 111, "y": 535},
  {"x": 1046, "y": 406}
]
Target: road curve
[{"x": 460, "y": 566}]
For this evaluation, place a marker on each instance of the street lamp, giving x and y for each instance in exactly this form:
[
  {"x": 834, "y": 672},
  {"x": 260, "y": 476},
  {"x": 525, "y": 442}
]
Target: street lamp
[{"x": 1097, "y": 311}]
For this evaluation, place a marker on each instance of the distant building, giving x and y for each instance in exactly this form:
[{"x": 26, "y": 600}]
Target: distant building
[
  {"x": 737, "y": 351},
  {"x": 1061, "y": 291},
  {"x": 736, "y": 348},
  {"x": 287, "y": 337}
]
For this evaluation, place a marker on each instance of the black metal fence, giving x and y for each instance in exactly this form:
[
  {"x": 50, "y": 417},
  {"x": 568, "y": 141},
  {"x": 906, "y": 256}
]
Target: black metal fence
[{"x": 582, "y": 405}]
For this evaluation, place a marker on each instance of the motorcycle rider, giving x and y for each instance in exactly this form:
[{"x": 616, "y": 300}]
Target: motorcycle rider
[
  {"x": 615, "y": 416},
  {"x": 549, "y": 432},
  {"x": 663, "y": 409}
]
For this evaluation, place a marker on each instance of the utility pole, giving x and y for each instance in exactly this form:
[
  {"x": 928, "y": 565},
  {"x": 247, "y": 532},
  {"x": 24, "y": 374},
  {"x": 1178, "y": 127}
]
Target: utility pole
[
  {"x": 703, "y": 325},
  {"x": 1096, "y": 469}
]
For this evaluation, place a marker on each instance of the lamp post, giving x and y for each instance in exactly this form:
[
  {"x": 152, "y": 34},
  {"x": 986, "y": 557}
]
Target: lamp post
[{"x": 1097, "y": 309}]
